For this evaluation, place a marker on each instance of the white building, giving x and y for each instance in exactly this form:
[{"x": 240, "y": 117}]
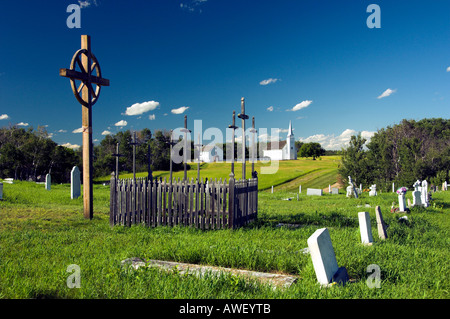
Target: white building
[
  {"x": 283, "y": 150},
  {"x": 211, "y": 153}
]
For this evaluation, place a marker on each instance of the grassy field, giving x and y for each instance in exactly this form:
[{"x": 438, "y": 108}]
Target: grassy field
[
  {"x": 43, "y": 232},
  {"x": 289, "y": 174}
]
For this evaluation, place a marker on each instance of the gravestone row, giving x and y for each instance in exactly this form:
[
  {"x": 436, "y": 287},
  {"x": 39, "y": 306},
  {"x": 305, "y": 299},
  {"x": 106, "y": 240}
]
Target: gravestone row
[{"x": 323, "y": 256}]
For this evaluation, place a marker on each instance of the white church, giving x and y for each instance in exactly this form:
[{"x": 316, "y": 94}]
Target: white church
[{"x": 283, "y": 150}]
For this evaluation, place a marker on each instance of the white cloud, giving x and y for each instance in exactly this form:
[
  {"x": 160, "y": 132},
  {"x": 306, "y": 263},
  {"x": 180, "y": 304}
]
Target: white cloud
[
  {"x": 4, "y": 117},
  {"x": 106, "y": 132},
  {"x": 192, "y": 5},
  {"x": 448, "y": 69},
  {"x": 22, "y": 124},
  {"x": 180, "y": 110},
  {"x": 301, "y": 105},
  {"x": 78, "y": 130},
  {"x": 332, "y": 142},
  {"x": 72, "y": 146},
  {"x": 152, "y": 117},
  {"x": 270, "y": 109},
  {"x": 386, "y": 93},
  {"x": 140, "y": 108},
  {"x": 268, "y": 81},
  {"x": 87, "y": 3},
  {"x": 62, "y": 131},
  {"x": 121, "y": 123}
]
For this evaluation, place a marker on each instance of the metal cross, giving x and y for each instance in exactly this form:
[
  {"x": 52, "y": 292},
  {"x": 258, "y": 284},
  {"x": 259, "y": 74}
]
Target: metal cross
[
  {"x": 134, "y": 143},
  {"x": 171, "y": 143},
  {"x": 233, "y": 127},
  {"x": 244, "y": 117},
  {"x": 253, "y": 131},
  {"x": 185, "y": 131},
  {"x": 199, "y": 149},
  {"x": 117, "y": 155},
  {"x": 88, "y": 65}
]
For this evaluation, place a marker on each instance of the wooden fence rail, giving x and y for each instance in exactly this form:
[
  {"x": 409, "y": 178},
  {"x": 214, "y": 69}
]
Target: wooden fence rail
[{"x": 214, "y": 204}]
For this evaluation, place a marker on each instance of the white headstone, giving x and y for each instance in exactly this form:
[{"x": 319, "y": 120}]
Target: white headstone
[
  {"x": 300, "y": 188},
  {"x": 322, "y": 255},
  {"x": 381, "y": 226},
  {"x": 334, "y": 191},
  {"x": 314, "y": 192},
  {"x": 48, "y": 182},
  {"x": 373, "y": 190},
  {"x": 417, "y": 201},
  {"x": 272, "y": 189},
  {"x": 1, "y": 191},
  {"x": 445, "y": 185},
  {"x": 424, "y": 195},
  {"x": 365, "y": 228},
  {"x": 329, "y": 188},
  {"x": 401, "y": 203},
  {"x": 351, "y": 191},
  {"x": 75, "y": 183},
  {"x": 393, "y": 188}
]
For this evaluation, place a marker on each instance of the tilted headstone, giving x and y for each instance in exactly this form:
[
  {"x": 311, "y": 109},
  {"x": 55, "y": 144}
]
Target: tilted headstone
[
  {"x": 314, "y": 191},
  {"x": 324, "y": 258},
  {"x": 365, "y": 228},
  {"x": 381, "y": 226},
  {"x": 1, "y": 191},
  {"x": 75, "y": 183},
  {"x": 48, "y": 182}
]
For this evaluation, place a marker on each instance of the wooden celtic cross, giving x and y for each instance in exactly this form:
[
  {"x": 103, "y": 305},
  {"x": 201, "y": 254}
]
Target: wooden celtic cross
[{"x": 87, "y": 81}]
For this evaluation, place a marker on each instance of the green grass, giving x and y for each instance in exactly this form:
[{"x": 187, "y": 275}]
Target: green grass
[{"x": 43, "y": 232}]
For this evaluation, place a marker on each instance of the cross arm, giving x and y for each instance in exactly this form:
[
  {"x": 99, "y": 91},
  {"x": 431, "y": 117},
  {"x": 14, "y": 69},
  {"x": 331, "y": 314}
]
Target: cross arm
[{"x": 83, "y": 77}]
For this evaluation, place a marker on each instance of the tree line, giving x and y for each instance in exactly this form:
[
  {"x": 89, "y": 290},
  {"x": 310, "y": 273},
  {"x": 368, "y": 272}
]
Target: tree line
[{"x": 402, "y": 153}]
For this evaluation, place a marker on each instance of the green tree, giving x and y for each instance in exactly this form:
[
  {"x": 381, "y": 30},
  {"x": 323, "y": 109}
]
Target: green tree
[{"x": 311, "y": 150}]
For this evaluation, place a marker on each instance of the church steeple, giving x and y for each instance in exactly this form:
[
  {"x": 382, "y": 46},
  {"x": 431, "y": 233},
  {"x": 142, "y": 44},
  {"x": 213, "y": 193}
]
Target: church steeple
[{"x": 290, "y": 130}]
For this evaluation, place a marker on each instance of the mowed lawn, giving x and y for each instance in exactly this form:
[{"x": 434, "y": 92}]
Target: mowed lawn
[{"x": 43, "y": 232}]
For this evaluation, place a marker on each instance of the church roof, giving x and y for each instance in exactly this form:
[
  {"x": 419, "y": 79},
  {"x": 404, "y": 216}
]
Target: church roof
[{"x": 274, "y": 146}]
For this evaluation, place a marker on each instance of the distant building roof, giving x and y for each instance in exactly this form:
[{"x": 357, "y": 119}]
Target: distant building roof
[{"x": 274, "y": 146}]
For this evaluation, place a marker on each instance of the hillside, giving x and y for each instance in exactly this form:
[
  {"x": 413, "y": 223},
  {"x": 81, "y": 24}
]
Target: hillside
[{"x": 305, "y": 172}]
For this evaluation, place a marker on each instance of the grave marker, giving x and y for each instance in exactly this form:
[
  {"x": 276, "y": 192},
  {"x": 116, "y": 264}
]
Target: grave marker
[
  {"x": 1, "y": 191},
  {"x": 75, "y": 183},
  {"x": 365, "y": 228},
  {"x": 314, "y": 192},
  {"x": 48, "y": 182},
  {"x": 373, "y": 190},
  {"x": 424, "y": 195},
  {"x": 324, "y": 258},
  {"x": 334, "y": 191},
  {"x": 88, "y": 65},
  {"x": 417, "y": 201},
  {"x": 381, "y": 226}
]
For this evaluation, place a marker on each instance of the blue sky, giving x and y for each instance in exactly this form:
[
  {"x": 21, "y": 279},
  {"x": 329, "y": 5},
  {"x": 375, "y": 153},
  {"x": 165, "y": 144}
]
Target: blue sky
[{"x": 313, "y": 62}]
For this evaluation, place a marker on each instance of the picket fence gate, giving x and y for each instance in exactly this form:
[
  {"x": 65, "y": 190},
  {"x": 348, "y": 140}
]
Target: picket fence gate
[{"x": 213, "y": 204}]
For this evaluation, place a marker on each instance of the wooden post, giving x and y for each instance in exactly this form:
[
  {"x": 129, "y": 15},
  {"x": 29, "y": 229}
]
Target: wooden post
[
  {"x": 88, "y": 64},
  {"x": 87, "y": 136},
  {"x": 113, "y": 200}
]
